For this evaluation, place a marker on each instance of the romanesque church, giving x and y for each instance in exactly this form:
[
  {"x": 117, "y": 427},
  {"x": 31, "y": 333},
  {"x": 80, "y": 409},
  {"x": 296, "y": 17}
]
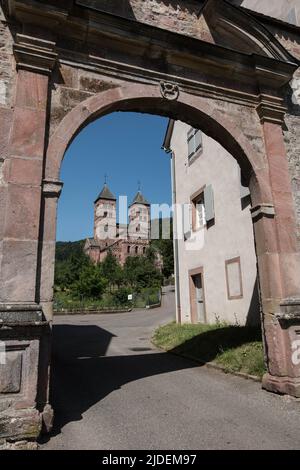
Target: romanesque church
[{"x": 122, "y": 241}]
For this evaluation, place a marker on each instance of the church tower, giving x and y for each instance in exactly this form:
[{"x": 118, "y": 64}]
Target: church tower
[
  {"x": 139, "y": 218},
  {"x": 105, "y": 215}
]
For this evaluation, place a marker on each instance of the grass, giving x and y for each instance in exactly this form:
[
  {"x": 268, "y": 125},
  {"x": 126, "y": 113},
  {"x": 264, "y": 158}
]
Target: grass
[{"x": 235, "y": 348}]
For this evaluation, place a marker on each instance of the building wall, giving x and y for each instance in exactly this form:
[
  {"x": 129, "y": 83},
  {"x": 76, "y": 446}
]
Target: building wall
[
  {"x": 120, "y": 251},
  {"x": 230, "y": 236},
  {"x": 281, "y": 9}
]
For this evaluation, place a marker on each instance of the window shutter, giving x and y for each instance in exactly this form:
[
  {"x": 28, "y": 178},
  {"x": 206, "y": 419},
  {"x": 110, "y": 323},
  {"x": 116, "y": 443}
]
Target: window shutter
[
  {"x": 209, "y": 203},
  {"x": 190, "y": 133},
  {"x": 190, "y": 147},
  {"x": 244, "y": 191},
  {"x": 198, "y": 140},
  {"x": 190, "y": 141},
  {"x": 190, "y": 217}
]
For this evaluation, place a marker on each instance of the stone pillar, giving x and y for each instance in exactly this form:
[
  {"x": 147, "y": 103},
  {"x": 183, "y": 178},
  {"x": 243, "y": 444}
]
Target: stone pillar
[
  {"x": 24, "y": 331},
  {"x": 50, "y": 194},
  {"x": 278, "y": 259}
]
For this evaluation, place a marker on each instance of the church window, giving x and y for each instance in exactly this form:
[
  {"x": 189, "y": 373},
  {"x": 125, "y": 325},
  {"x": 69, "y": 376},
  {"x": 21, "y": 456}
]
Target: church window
[{"x": 136, "y": 250}]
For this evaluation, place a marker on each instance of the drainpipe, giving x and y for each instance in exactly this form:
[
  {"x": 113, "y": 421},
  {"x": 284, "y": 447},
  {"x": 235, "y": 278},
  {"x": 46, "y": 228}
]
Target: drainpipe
[
  {"x": 175, "y": 240},
  {"x": 175, "y": 234}
]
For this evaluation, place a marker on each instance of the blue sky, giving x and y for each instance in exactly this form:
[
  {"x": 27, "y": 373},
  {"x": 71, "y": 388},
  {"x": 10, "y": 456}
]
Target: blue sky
[{"x": 126, "y": 147}]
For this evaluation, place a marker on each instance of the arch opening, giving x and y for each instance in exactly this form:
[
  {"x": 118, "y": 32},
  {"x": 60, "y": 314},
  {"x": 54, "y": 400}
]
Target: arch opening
[
  {"x": 152, "y": 368},
  {"x": 130, "y": 98}
]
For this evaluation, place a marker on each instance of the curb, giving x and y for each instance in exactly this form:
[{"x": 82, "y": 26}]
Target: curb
[
  {"x": 150, "y": 307},
  {"x": 212, "y": 365},
  {"x": 90, "y": 312}
]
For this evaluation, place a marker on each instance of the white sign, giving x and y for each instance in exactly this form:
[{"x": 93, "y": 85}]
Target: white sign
[{"x": 130, "y": 296}]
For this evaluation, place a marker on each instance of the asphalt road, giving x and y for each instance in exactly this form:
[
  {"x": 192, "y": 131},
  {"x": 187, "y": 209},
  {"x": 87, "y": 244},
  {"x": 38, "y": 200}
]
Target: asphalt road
[{"x": 112, "y": 389}]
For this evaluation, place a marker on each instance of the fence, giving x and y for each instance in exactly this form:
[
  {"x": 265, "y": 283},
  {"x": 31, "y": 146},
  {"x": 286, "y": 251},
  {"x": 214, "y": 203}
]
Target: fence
[{"x": 148, "y": 298}]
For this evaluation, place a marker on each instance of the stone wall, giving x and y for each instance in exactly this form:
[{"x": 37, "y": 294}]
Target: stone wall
[
  {"x": 7, "y": 91},
  {"x": 292, "y": 120},
  {"x": 174, "y": 15},
  {"x": 7, "y": 66},
  {"x": 71, "y": 86}
]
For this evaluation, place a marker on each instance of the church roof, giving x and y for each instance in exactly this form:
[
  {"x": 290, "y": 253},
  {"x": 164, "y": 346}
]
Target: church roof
[
  {"x": 106, "y": 194},
  {"x": 139, "y": 199}
]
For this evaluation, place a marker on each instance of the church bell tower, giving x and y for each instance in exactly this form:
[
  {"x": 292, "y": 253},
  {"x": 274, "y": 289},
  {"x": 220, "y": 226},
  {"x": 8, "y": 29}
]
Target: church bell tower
[{"x": 105, "y": 215}]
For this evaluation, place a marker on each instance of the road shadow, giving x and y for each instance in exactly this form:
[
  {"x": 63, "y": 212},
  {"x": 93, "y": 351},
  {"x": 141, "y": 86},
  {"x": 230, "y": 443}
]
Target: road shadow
[{"x": 82, "y": 375}]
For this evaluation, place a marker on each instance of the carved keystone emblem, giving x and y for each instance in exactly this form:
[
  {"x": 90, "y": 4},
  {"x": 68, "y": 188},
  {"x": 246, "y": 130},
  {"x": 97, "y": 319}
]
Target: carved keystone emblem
[{"x": 169, "y": 90}]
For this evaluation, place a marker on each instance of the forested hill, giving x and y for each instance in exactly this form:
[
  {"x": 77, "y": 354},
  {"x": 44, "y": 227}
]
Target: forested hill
[{"x": 66, "y": 250}]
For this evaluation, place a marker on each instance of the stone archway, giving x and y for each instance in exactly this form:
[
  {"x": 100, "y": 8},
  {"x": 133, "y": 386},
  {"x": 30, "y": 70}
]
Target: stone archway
[
  {"x": 55, "y": 91},
  {"x": 199, "y": 112}
]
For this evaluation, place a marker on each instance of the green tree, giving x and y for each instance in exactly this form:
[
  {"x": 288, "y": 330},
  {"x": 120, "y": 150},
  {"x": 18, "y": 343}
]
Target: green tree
[
  {"x": 165, "y": 248},
  {"x": 70, "y": 259},
  {"x": 141, "y": 272},
  {"x": 91, "y": 284},
  {"x": 112, "y": 270}
]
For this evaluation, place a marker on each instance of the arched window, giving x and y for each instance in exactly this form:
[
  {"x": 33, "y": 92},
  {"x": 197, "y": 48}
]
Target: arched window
[
  {"x": 128, "y": 249},
  {"x": 136, "y": 250}
]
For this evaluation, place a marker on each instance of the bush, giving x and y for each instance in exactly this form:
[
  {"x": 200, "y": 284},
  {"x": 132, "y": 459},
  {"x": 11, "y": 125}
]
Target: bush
[{"x": 120, "y": 296}]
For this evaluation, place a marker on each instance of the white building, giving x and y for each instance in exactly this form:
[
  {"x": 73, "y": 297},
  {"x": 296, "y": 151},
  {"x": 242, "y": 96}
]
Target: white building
[
  {"x": 217, "y": 281},
  {"x": 218, "y": 276},
  {"x": 285, "y": 10}
]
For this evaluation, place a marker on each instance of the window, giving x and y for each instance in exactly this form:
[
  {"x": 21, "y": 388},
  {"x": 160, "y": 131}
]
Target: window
[
  {"x": 194, "y": 139},
  {"x": 200, "y": 212},
  {"x": 202, "y": 208},
  {"x": 138, "y": 228},
  {"x": 106, "y": 228},
  {"x": 144, "y": 250},
  {"x": 234, "y": 279},
  {"x": 128, "y": 249},
  {"x": 136, "y": 250},
  {"x": 105, "y": 214}
]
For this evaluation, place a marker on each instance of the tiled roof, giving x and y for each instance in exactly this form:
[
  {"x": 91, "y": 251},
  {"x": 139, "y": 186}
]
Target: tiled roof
[
  {"x": 139, "y": 199},
  {"x": 106, "y": 194}
]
